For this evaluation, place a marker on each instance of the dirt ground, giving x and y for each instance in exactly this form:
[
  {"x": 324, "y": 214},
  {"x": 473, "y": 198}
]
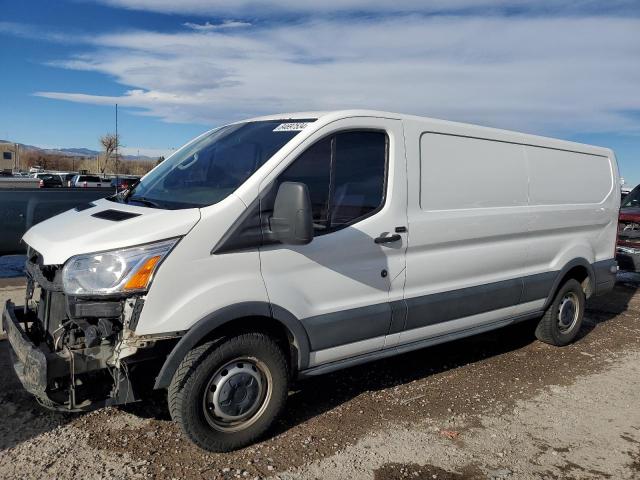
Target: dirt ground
[{"x": 499, "y": 405}]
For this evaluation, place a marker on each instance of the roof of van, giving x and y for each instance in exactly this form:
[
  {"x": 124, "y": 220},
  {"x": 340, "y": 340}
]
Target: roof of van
[{"x": 500, "y": 134}]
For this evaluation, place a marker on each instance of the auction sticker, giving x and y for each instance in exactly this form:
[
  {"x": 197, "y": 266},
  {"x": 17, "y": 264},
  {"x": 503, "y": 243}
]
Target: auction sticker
[{"x": 291, "y": 127}]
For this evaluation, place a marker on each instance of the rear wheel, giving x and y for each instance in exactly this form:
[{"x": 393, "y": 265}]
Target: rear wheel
[
  {"x": 226, "y": 394},
  {"x": 562, "y": 321}
]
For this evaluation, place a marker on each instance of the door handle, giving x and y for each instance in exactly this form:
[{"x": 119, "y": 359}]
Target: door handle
[{"x": 391, "y": 238}]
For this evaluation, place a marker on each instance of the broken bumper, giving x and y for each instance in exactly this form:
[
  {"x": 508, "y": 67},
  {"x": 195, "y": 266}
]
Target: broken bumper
[
  {"x": 29, "y": 362},
  {"x": 45, "y": 374}
]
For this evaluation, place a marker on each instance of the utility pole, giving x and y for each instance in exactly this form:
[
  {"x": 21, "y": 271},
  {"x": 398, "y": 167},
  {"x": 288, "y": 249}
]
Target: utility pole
[{"x": 117, "y": 145}]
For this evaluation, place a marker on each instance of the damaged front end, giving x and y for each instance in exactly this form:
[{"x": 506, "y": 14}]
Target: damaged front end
[{"x": 80, "y": 352}]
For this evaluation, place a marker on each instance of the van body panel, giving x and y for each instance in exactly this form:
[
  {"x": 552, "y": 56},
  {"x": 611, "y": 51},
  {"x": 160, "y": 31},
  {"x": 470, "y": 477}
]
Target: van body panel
[
  {"x": 466, "y": 245},
  {"x": 192, "y": 284},
  {"x": 575, "y": 219}
]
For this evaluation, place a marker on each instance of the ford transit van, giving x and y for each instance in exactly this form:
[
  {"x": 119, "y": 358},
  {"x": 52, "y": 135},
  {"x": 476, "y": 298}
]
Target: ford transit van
[{"x": 293, "y": 245}]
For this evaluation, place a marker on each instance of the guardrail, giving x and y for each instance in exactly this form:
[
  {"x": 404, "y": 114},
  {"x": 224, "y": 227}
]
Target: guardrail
[{"x": 21, "y": 208}]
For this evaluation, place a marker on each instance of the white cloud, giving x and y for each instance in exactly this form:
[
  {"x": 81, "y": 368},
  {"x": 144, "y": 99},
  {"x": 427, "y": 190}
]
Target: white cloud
[
  {"x": 547, "y": 75},
  {"x": 209, "y": 7},
  {"x": 29, "y": 31},
  {"x": 208, "y": 27}
]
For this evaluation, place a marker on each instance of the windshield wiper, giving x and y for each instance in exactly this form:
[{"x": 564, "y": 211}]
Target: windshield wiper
[
  {"x": 129, "y": 191},
  {"x": 144, "y": 201}
]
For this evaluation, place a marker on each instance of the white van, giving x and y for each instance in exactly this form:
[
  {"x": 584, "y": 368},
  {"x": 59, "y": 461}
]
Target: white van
[{"x": 294, "y": 245}]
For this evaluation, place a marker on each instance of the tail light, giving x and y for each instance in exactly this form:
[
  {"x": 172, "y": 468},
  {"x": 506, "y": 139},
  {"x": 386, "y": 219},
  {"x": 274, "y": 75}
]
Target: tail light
[
  {"x": 41, "y": 184},
  {"x": 84, "y": 184}
]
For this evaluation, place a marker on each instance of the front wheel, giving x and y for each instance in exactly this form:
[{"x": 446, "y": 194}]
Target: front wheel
[
  {"x": 562, "y": 321},
  {"x": 226, "y": 394}
]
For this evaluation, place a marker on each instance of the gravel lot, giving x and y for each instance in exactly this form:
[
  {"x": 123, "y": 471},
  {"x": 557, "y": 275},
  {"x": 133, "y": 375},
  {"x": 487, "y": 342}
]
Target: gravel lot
[{"x": 499, "y": 405}]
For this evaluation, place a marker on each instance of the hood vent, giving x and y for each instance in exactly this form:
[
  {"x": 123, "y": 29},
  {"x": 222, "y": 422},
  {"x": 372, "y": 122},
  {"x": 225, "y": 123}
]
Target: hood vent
[{"x": 115, "y": 215}]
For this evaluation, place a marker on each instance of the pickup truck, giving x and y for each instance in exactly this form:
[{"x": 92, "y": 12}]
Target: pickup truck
[
  {"x": 628, "y": 245},
  {"x": 21, "y": 208},
  {"x": 87, "y": 181}
]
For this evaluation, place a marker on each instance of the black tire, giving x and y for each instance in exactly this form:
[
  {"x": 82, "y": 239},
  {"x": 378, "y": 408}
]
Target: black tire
[
  {"x": 557, "y": 327},
  {"x": 191, "y": 385}
]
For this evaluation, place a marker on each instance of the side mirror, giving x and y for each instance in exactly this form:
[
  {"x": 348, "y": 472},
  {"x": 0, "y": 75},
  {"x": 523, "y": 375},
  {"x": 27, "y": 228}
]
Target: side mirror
[{"x": 292, "y": 220}]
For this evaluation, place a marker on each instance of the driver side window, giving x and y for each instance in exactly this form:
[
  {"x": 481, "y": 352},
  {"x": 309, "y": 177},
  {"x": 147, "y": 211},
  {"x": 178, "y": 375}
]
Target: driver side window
[{"x": 346, "y": 177}]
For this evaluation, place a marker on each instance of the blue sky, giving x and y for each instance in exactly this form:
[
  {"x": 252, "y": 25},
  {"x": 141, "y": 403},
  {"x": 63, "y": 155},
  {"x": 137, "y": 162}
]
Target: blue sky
[{"x": 568, "y": 69}]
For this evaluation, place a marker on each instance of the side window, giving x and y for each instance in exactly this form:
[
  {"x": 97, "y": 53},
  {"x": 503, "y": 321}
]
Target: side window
[
  {"x": 359, "y": 170},
  {"x": 346, "y": 177},
  {"x": 313, "y": 168}
]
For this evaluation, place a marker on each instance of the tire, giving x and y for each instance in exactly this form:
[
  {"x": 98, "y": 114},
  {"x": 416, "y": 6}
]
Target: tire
[
  {"x": 226, "y": 394},
  {"x": 562, "y": 321}
]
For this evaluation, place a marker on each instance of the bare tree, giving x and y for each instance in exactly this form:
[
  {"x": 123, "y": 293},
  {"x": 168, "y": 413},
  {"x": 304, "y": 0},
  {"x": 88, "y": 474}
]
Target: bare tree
[{"x": 110, "y": 143}]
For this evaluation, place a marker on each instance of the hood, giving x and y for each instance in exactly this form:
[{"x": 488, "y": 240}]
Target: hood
[{"x": 105, "y": 225}]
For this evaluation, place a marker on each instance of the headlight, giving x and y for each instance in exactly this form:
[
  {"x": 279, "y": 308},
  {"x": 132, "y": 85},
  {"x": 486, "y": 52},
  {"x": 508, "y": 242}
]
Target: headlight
[{"x": 127, "y": 270}]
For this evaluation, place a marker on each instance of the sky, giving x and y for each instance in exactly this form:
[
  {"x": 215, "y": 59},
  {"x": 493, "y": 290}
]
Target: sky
[{"x": 563, "y": 68}]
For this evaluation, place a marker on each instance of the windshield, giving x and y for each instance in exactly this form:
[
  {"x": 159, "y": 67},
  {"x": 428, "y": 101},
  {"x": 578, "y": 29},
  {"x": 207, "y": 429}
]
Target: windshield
[
  {"x": 210, "y": 168},
  {"x": 633, "y": 199}
]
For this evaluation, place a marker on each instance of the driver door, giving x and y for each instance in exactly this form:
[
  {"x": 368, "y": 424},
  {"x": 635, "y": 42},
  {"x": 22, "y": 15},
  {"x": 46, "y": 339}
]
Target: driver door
[{"x": 346, "y": 286}]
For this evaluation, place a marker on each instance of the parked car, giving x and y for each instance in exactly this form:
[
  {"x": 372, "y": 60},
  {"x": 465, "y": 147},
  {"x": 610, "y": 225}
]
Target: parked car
[
  {"x": 23, "y": 204},
  {"x": 66, "y": 178},
  {"x": 87, "y": 181},
  {"x": 123, "y": 183},
  {"x": 628, "y": 249},
  {"x": 48, "y": 180},
  {"x": 291, "y": 246}
]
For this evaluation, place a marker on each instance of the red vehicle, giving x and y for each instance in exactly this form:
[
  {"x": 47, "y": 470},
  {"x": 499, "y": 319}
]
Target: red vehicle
[{"x": 628, "y": 248}]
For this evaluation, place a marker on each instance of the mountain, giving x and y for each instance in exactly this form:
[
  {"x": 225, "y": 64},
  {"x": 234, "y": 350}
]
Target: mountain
[
  {"x": 75, "y": 152},
  {"x": 84, "y": 152}
]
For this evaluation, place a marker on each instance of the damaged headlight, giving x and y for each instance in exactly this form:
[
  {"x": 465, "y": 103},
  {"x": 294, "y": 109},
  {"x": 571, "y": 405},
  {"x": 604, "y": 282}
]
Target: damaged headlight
[{"x": 126, "y": 270}]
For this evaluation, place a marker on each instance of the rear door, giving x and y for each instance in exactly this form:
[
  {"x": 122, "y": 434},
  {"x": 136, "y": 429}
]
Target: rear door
[{"x": 345, "y": 284}]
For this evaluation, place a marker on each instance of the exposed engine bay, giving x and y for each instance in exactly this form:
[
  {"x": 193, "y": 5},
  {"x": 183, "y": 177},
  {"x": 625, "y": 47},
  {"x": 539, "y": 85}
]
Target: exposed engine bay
[{"x": 77, "y": 353}]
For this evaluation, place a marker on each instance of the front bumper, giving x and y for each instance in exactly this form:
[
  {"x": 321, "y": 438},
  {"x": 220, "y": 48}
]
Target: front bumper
[
  {"x": 46, "y": 374},
  {"x": 29, "y": 362}
]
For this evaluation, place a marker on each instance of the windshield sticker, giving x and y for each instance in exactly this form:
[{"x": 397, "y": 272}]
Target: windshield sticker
[{"x": 291, "y": 127}]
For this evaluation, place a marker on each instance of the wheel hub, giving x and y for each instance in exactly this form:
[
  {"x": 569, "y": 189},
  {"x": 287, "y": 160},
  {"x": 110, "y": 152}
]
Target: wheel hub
[
  {"x": 234, "y": 394},
  {"x": 238, "y": 394},
  {"x": 567, "y": 313}
]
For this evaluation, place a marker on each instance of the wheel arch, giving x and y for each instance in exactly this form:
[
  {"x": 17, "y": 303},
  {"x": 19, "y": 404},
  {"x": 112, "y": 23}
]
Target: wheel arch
[
  {"x": 241, "y": 316},
  {"x": 579, "y": 269}
]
